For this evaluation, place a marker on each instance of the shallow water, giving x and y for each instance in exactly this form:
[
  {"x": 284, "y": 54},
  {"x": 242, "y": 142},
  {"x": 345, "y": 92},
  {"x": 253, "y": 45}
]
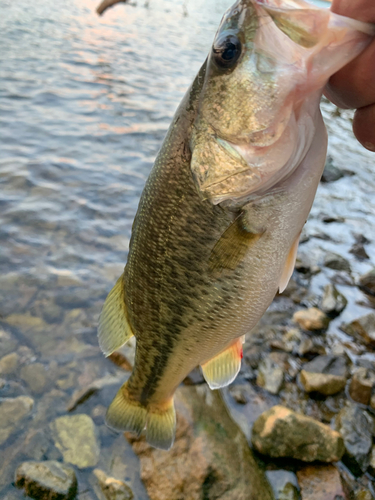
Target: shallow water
[{"x": 85, "y": 103}]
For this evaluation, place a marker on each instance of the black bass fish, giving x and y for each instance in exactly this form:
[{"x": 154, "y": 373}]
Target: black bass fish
[{"x": 217, "y": 228}]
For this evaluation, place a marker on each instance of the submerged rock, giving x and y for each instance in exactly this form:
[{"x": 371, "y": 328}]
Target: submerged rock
[
  {"x": 75, "y": 436},
  {"x": 356, "y": 427},
  {"x": 361, "y": 385},
  {"x": 325, "y": 374},
  {"x": 9, "y": 363},
  {"x": 362, "y": 329},
  {"x": 280, "y": 432},
  {"x": 333, "y": 302},
  {"x": 47, "y": 480},
  {"x": 321, "y": 482},
  {"x": 270, "y": 376},
  {"x": 12, "y": 412},
  {"x": 367, "y": 282},
  {"x": 35, "y": 377},
  {"x": 284, "y": 484},
  {"x": 204, "y": 460},
  {"x": 337, "y": 262},
  {"x": 109, "y": 488},
  {"x": 311, "y": 319}
]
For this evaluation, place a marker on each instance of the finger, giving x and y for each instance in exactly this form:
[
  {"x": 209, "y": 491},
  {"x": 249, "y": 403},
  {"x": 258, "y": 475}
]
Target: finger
[
  {"x": 363, "y": 126},
  {"x": 354, "y": 85}
]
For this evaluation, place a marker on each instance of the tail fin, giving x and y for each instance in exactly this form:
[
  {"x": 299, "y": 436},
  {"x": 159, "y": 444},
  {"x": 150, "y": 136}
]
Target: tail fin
[{"x": 125, "y": 414}]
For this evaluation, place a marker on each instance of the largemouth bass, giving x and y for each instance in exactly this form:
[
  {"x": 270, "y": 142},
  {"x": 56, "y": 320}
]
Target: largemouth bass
[{"x": 217, "y": 228}]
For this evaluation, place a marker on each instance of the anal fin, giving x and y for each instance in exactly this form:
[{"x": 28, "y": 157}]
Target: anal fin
[
  {"x": 114, "y": 329},
  {"x": 221, "y": 370},
  {"x": 289, "y": 265}
]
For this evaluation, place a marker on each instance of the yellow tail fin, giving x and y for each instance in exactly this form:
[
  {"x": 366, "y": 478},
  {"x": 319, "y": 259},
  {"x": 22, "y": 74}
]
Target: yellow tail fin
[{"x": 125, "y": 414}]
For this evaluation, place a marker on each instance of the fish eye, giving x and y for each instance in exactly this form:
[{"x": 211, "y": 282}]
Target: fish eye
[{"x": 226, "y": 51}]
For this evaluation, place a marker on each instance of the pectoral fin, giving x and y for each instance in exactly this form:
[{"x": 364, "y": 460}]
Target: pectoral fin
[
  {"x": 221, "y": 370},
  {"x": 233, "y": 245},
  {"x": 114, "y": 329},
  {"x": 289, "y": 265}
]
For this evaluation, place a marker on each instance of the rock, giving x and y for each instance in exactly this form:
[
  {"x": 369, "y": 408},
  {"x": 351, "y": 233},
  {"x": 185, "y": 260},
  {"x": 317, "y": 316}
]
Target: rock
[
  {"x": 356, "y": 427},
  {"x": 362, "y": 329},
  {"x": 359, "y": 251},
  {"x": 47, "y": 480},
  {"x": 280, "y": 432},
  {"x": 311, "y": 319},
  {"x": 320, "y": 482},
  {"x": 9, "y": 363},
  {"x": 12, "y": 412},
  {"x": 203, "y": 462},
  {"x": 337, "y": 262},
  {"x": 284, "y": 484},
  {"x": 7, "y": 343},
  {"x": 109, "y": 488},
  {"x": 270, "y": 376},
  {"x": 75, "y": 436},
  {"x": 36, "y": 444},
  {"x": 325, "y": 374},
  {"x": 361, "y": 385},
  {"x": 35, "y": 377},
  {"x": 82, "y": 395},
  {"x": 331, "y": 173},
  {"x": 367, "y": 282},
  {"x": 371, "y": 468},
  {"x": 333, "y": 302},
  {"x": 363, "y": 494}
]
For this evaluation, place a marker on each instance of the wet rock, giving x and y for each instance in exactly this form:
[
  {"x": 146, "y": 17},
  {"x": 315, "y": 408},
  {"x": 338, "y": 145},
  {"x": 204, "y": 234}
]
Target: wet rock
[
  {"x": 311, "y": 319},
  {"x": 356, "y": 427},
  {"x": 320, "y": 482},
  {"x": 362, "y": 329},
  {"x": 75, "y": 436},
  {"x": 367, "y": 282},
  {"x": 280, "y": 432},
  {"x": 36, "y": 444},
  {"x": 9, "y": 363},
  {"x": 325, "y": 374},
  {"x": 82, "y": 395},
  {"x": 270, "y": 376},
  {"x": 337, "y": 262},
  {"x": 7, "y": 343},
  {"x": 359, "y": 251},
  {"x": 12, "y": 412},
  {"x": 331, "y": 173},
  {"x": 47, "y": 480},
  {"x": 333, "y": 302},
  {"x": 35, "y": 377},
  {"x": 363, "y": 494},
  {"x": 361, "y": 385},
  {"x": 203, "y": 462},
  {"x": 284, "y": 484},
  {"x": 109, "y": 488}
]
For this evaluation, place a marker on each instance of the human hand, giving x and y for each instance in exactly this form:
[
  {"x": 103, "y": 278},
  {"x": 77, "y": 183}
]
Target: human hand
[{"x": 354, "y": 85}]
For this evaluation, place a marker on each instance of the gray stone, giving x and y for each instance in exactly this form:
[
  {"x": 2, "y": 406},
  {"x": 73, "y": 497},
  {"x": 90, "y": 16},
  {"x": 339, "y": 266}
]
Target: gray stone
[
  {"x": 337, "y": 262},
  {"x": 367, "y": 282},
  {"x": 12, "y": 412},
  {"x": 47, "y": 480},
  {"x": 36, "y": 445},
  {"x": 325, "y": 374},
  {"x": 35, "y": 377},
  {"x": 333, "y": 302},
  {"x": 311, "y": 319},
  {"x": 75, "y": 436},
  {"x": 359, "y": 251},
  {"x": 270, "y": 376},
  {"x": 9, "y": 363},
  {"x": 356, "y": 427},
  {"x": 280, "y": 432},
  {"x": 109, "y": 488},
  {"x": 7, "y": 343},
  {"x": 362, "y": 329},
  {"x": 331, "y": 173},
  {"x": 284, "y": 484},
  {"x": 361, "y": 385}
]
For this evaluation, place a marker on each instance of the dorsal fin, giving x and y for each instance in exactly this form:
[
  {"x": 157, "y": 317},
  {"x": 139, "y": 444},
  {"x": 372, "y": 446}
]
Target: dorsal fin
[
  {"x": 221, "y": 370},
  {"x": 114, "y": 329},
  {"x": 289, "y": 265}
]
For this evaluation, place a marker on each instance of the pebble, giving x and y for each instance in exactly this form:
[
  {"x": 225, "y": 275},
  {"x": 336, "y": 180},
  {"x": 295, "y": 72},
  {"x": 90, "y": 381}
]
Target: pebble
[
  {"x": 325, "y": 374},
  {"x": 270, "y": 376},
  {"x": 356, "y": 427},
  {"x": 361, "y": 385},
  {"x": 35, "y": 377},
  {"x": 333, "y": 302},
  {"x": 12, "y": 412},
  {"x": 9, "y": 363},
  {"x": 362, "y": 329},
  {"x": 320, "y": 482},
  {"x": 371, "y": 468},
  {"x": 367, "y": 282},
  {"x": 311, "y": 319},
  {"x": 7, "y": 343},
  {"x": 75, "y": 436},
  {"x": 359, "y": 251},
  {"x": 109, "y": 488},
  {"x": 331, "y": 173},
  {"x": 284, "y": 484},
  {"x": 280, "y": 432},
  {"x": 336, "y": 262},
  {"x": 49, "y": 480}
]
